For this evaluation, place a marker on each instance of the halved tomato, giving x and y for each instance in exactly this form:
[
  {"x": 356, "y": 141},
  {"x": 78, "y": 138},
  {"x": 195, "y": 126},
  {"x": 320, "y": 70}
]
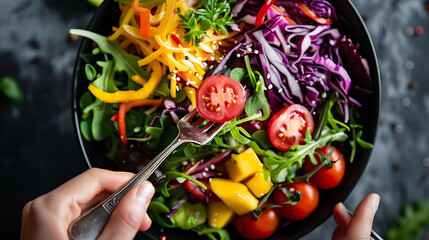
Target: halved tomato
[
  {"x": 220, "y": 98},
  {"x": 288, "y": 126}
]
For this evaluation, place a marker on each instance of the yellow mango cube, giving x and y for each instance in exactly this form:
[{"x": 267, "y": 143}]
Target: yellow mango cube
[
  {"x": 243, "y": 165},
  {"x": 219, "y": 214},
  {"x": 234, "y": 194},
  {"x": 258, "y": 185}
]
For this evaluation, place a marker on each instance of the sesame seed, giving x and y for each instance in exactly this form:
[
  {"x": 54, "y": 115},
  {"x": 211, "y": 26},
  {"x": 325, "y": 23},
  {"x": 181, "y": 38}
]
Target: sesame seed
[
  {"x": 238, "y": 55},
  {"x": 280, "y": 90},
  {"x": 270, "y": 86},
  {"x": 268, "y": 76},
  {"x": 249, "y": 49},
  {"x": 256, "y": 51},
  {"x": 184, "y": 163},
  {"x": 204, "y": 174},
  {"x": 177, "y": 88},
  {"x": 212, "y": 166},
  {"x": 206, "y": 169}
]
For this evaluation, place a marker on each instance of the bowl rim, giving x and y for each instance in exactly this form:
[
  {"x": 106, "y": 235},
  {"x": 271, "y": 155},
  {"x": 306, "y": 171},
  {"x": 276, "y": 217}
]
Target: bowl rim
[{"x": 376, "y": 78}]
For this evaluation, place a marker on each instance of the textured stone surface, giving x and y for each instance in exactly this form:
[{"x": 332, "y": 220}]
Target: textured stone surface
[{"x": 39, "y": 151}]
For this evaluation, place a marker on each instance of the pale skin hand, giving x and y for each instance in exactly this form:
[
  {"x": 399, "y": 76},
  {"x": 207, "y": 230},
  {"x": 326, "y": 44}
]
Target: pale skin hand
[
  {"x": 49, "y": 216},
  {"x": 359, "y": 225}
]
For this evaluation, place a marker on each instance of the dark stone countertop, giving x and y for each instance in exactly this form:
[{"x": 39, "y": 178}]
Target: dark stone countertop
[{"x": 39, "y": 150}]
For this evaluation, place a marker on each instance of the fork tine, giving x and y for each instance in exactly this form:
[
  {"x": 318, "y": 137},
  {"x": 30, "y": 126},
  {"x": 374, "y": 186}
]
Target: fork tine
[
  {"x": 190, "y": 115},
  {"x": 199, "y": 121},
  {"x": 207, "y": 126},
  {"x": 215, "y": 130}
]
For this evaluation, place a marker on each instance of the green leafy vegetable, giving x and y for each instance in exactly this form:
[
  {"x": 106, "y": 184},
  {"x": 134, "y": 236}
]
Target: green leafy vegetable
[
  {"x": 123, "y": 61},
  {"x": 258, "y": 101},
  {"x": 214, "y": 13},
  {"x": 189, "y": 215},
  {"x": 356, "y": 136},
  {"x": 10, "y": 92},
  {"x": 411, "y": 222},
  {"x": 279, "y": 165},
  {"x": 208, "y": 231}
]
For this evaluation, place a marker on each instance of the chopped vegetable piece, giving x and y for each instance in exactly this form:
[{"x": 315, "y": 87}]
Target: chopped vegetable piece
[
  {"x": 235, "y": 195},
  {"x": 259, "y": 184},
  {"x": 219, "y": 214},
  {"x": 243, "y": 165}
]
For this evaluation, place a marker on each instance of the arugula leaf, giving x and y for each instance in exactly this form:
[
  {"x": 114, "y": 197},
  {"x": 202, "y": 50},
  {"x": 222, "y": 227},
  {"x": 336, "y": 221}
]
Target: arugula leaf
[
  {"x": 123, "y": 60},
  {"x": 279, "y": 166},
  {"x": 356, "y": 137}
]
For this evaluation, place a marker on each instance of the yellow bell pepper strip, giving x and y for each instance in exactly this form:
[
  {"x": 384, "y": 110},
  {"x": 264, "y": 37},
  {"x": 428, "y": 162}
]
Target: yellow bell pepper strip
[
  {"x": 144, "y": 19},
  {"x": 168, "y": 15},
  {"x": 192, "y": 95},
  {"x": 313, "y": 15},
  {"x": 148, "y": 59},
  {"x": 121, "y": 123},
  {"x": 131, "y": 95}
]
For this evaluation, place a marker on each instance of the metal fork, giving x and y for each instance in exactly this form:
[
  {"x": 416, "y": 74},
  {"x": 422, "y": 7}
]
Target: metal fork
[{"x": 90, "y": 224}]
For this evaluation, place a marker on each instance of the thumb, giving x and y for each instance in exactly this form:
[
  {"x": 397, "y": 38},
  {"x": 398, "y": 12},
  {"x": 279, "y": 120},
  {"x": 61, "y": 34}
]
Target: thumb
[
  {"x": 130, "y": 214},
  {"x": 360, "y": 224}
]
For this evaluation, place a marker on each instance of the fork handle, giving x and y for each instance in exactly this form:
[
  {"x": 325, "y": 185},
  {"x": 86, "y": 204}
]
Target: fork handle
[{"x": 91, "y": 224}]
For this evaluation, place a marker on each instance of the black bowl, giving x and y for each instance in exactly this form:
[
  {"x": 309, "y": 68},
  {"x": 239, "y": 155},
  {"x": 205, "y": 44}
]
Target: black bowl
[{"x": 351, "y": 24}]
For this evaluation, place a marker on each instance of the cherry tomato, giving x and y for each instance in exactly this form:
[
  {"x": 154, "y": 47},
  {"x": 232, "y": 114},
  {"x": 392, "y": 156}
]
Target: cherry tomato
[
  {"x": 326, "y": 178},
  {"x": 264, "y": 227},
  {"x": 303, "y": 208},
  {"x": 220, "y": 98},
  {"x": 204, "y": 195},
  {"x": 288, "y": 126}
]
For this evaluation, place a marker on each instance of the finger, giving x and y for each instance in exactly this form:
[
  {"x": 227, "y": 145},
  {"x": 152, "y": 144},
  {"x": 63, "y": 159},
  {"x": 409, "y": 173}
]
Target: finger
[
  {"x": 360, "y": 224},
  {"x": 147, "y": 222},
  {"x": 69, "y": 199},
  {"x": 129, "y": 216},
  {"x": 338, "y": 234},
  {"x": 341, "y": 216}
]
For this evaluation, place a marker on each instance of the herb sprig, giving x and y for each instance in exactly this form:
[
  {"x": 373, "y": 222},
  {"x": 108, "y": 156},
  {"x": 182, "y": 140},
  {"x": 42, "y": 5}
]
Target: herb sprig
[{"x": 213, "y": 13}]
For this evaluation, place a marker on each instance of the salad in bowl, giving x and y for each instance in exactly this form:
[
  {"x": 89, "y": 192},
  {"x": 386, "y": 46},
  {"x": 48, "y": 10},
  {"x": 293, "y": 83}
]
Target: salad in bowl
[{"x": 299, "y": 98}]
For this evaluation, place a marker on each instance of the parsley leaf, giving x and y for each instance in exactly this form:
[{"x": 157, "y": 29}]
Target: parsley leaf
[{"x": 213, "y": 13}]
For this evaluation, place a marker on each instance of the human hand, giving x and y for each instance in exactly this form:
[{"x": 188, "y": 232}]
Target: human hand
[
  {"x": 359, "y": 225},
  {"x": 49, "y": 216}
]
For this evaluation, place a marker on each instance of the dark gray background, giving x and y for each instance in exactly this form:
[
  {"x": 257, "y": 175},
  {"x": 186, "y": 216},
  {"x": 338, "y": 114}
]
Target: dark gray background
[{"x": 39, "y": 151}]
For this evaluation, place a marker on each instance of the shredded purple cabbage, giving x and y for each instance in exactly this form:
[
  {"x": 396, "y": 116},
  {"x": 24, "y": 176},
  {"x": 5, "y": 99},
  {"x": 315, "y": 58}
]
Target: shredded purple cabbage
[{"x": 301, "y": 63}]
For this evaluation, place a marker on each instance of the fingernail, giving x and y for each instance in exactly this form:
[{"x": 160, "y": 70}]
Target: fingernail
[
  {"x": 342, "y": 207},
  {"x": 145, "y": 192},
  {"x": 375, "y": 201}
]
